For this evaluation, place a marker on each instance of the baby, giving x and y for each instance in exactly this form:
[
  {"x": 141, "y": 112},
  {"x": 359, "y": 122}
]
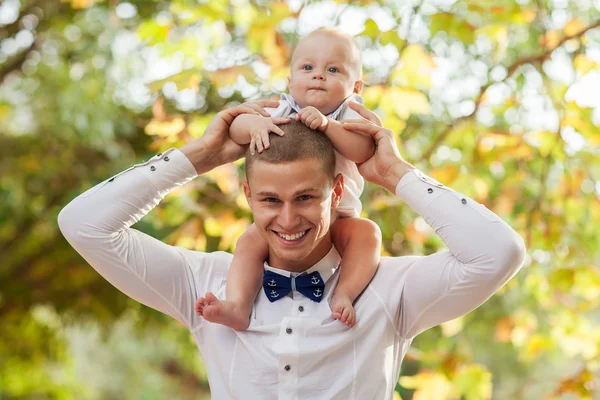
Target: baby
[{"x": 325, "y": 77}]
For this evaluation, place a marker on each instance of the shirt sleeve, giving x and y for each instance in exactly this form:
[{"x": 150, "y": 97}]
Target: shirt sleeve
[
  {"x": 98, "y": 223},
  {"x": 483, "y": 254}
]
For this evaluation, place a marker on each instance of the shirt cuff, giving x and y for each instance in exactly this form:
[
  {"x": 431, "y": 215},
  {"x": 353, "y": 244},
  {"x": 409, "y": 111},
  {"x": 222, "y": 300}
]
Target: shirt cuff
[
  {"x": 417, "y": 189},
  {"x": 168, "y": 170}
]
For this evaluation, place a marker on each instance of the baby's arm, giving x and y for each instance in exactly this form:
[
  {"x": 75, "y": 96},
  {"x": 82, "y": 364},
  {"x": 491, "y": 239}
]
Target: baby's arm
[
  {"x": 354, "y": 146},
  {"x": 254, "y": 129}
]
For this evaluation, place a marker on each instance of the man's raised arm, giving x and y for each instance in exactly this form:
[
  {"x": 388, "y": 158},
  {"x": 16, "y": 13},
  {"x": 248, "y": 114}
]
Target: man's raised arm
[
  {"x": 98, "y": 224},
  {"x": 484, "y": 252}
]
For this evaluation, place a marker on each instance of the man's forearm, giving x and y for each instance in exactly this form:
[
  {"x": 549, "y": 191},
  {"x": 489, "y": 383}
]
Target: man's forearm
[{"x": 202, "y": 159}]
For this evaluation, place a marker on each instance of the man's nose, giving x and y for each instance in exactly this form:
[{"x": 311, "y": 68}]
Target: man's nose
[{"x": 288, "y": 218}]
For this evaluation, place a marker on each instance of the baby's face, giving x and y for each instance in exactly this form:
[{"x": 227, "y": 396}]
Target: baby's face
[{"x": 323, "y": 72}]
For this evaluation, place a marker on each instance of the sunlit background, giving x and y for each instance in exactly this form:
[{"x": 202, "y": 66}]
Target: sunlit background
[{"x": 499, "y": 100}]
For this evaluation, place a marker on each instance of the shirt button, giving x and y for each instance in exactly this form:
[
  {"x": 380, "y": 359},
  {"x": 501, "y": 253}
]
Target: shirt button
[
  {"x": 464, "y": 201},
  {"x": 166, "y": 158},
  {"x": 152, "y": 168},
  {"x": 288, "y": 331},
  {"x": 287, "y": 367},
  {"x": 300, "y": 308},
  {"x": 430, "y": 190}
]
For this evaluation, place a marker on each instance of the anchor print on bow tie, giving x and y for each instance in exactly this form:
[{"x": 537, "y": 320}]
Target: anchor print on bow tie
[{"x": 278, "y": 286}]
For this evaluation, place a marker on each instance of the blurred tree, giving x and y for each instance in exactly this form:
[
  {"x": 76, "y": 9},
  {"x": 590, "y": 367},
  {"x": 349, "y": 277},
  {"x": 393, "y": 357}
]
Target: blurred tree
[{"x": 494, "y": 99}]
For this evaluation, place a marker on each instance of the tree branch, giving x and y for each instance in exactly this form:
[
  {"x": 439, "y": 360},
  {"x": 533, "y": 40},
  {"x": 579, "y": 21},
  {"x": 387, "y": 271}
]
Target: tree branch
[
  {"x": 510, "y": 71},
  {"x": 17, "y": 62}
]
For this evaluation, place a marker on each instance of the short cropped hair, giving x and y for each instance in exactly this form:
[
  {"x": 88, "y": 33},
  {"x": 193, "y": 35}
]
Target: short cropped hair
[{"x": 299, "y": 143}]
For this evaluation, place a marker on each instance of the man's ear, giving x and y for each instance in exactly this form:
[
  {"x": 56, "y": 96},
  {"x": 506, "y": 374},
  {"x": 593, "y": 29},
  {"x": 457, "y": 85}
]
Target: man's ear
[
  {"x": 358, "y": 86},
  {"x": 247, "y": 192},
  {"x": 338, "y": 190}
]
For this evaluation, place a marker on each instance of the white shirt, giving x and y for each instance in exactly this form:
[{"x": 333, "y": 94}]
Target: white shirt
[
  {"x": 354, "y": 184},
  {"x": 293, "y": 349}
]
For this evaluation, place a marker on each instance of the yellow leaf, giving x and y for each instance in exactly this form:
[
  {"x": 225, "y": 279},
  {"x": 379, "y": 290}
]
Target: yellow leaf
[
  {"x": 473, "y": 382},
  {"x": 452, "y": 327},
  {"x": 226, "y": 178},
  {"x": 371, "y": 29},
  {"x": 191, "y": 236},
  {"x": 82, "y": 3},
  {"x": 188, "y": 79},
  {"x": 212, "y": 227},
  {"x": 446, "y": 175},
  {"x": 503, "y": 330},
  {"x": 543, "y": 140},
  {"x": 152, "y": 32},
  {"x": 573, "y": 26},
  {"x": 428, "y": 385},
  {"x": 415, "y": 68},
  {"x": 199, "y": 123},
  {"x": 537, "y": 345},
  {"x": 165, "y": 128},
  {"x": 404, "y": 102},
  {"x": 550, "y": 39},
  {"x": 583, "y": 64},
  {"x": 372, "y": 96},
  {"x": 233, "y": 229},
  {"x": 228, "y": 76}
]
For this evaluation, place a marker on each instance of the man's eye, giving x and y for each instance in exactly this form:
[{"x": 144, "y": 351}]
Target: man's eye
[
  {"x": 307, "y": 67},
  {"x": 332, "y": 69},
  {"x": 305, "y": 197},
  {"x": 270, "y": 200}
]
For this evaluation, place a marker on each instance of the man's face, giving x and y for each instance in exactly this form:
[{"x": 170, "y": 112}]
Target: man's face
[
  {"x": 292, "y": 204},
  {"x": 323, "y": 73}
]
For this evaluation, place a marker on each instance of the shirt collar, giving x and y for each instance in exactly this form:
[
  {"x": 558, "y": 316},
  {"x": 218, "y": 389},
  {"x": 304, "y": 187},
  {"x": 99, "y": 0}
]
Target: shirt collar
[
  {"x": 325, "y": 267},
  {"x": 334, "y": 115}
]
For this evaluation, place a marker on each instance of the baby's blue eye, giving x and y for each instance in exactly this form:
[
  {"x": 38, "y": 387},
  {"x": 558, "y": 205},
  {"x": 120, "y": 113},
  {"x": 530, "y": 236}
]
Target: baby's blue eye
[
  {"x": 332, "y": 69},
  {"x": 307, "y": 67}
]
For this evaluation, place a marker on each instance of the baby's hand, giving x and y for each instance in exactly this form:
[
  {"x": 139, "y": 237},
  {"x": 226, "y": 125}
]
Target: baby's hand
[
  {"x": 312, "y": 118},
  {"x": 259, "y": 132}
]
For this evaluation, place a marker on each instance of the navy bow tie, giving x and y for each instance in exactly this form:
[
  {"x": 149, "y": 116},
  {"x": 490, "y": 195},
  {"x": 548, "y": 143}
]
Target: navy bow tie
[{"x": 277, "y": 286}]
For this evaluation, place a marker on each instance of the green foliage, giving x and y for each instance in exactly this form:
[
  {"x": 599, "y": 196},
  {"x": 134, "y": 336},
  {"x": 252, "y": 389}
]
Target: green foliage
[{"x": 491, "y": 98}]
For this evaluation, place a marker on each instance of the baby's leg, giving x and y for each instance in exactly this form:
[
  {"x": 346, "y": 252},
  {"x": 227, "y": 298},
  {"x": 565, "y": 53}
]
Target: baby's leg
[
  {"x": 358, "y": 241},
  {"x": 243, "y": 283}
]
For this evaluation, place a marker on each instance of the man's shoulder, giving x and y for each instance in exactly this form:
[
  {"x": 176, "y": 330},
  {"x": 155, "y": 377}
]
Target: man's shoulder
[
  {"x": 214, "y": 265},
  {"x": 392, "y": 271}
]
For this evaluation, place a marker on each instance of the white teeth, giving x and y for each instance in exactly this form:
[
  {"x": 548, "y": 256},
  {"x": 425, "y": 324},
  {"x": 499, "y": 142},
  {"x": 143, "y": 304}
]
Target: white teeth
[{"x": 295, "y": 236}]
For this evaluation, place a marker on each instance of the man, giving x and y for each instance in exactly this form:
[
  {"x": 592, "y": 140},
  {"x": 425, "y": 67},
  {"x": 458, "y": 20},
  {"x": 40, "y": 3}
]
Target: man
[{"x": 293, "y": 348}]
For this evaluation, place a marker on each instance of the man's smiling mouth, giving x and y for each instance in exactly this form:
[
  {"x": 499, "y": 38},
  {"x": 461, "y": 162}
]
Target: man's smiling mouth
[{"x": 292, "y": 237}]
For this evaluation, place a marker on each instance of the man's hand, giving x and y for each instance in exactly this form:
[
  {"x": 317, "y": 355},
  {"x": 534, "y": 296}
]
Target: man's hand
[
  {"x": 312, "y": 118},
  {"x": 387, "y": 166},
  {"x": 215, "y": 146}
]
